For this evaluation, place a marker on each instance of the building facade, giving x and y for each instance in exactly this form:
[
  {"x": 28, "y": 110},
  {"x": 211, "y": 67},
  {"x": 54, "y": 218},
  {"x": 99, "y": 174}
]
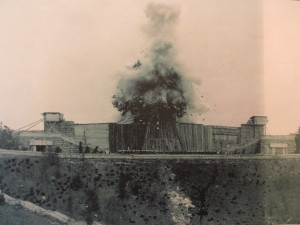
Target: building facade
[{"x": 67, "y": 136}]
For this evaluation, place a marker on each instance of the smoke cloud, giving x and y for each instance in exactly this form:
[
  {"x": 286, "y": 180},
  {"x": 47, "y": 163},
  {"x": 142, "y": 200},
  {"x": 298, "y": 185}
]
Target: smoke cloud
[
  {"x": 162, "y": 20},
  {"x": 155, "y": 89}
]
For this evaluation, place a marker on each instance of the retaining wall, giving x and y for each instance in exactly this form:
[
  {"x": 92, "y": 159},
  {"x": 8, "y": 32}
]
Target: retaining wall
[{"x": 160, "y": 191}]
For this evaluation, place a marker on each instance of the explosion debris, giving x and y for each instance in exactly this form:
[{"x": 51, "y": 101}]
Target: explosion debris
[
  {"x": 156, "y": 94},
  {"x": 156, "y": 90},
  {"x": 159, "y": 92}
]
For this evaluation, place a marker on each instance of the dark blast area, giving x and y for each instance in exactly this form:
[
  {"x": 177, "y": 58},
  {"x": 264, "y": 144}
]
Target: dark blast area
[{"x": 155, "y": 97}]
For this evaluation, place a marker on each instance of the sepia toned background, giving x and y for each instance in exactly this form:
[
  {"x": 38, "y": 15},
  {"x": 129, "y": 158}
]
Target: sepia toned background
[{"x": 241, "y": 55}]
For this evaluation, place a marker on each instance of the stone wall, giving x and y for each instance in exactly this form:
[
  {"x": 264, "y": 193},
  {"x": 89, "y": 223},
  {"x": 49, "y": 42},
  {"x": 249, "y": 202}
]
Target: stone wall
[
  {"x": 180, "y": 191},
  {"x": 64, "y": 127},
  {"x": 225, "y": 137},
  {"x": 250, "y": 132},
  {"x": 268, "y": 140},
  {"x": 56, "y": 139},
  {"x": 180, "y": 137}
]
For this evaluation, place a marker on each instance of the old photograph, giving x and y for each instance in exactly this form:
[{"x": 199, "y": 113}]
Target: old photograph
[{"x": 162, "y": 112}]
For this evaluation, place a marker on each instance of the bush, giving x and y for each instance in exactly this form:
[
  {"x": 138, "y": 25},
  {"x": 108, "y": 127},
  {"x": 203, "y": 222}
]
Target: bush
[
  {"x": 51, "y": 159},
  {"x": 76, "y": 183},
  {"x": 7, "y": 139}
]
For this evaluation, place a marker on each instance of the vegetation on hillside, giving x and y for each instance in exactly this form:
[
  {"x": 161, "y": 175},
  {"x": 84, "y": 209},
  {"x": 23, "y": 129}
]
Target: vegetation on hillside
[{"x": 7, "y": 138}]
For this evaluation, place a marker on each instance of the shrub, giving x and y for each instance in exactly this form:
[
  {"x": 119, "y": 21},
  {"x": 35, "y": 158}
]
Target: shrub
[
  {"x": 8, "y": 140},
  {"x": 76, "y": 183}
]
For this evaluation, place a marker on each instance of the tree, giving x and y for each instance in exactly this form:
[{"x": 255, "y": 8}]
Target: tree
[{"x": 8, "y": 139}]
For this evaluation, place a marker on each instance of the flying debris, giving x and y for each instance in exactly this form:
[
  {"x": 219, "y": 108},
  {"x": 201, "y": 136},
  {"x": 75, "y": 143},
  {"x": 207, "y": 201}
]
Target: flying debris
[{"x": 137, "y": 64}]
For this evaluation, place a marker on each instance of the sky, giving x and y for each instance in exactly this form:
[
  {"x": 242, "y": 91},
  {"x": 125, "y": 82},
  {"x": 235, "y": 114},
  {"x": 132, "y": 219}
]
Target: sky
[
  {"x": 63, "y": 56},
  {"x": 281, "y": 65}
]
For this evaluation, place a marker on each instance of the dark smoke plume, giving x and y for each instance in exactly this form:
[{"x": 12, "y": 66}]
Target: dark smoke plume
[{"x": 156, "y": 90}]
